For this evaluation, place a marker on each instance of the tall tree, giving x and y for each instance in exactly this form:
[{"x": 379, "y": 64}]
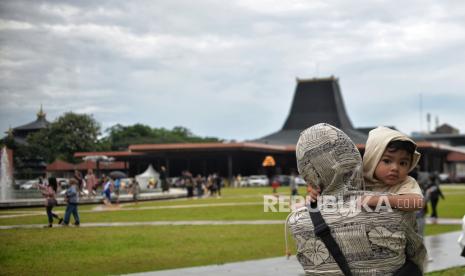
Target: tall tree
[
  {"x": 120, "y": 137},
  {"x": 70, "y": 133}
]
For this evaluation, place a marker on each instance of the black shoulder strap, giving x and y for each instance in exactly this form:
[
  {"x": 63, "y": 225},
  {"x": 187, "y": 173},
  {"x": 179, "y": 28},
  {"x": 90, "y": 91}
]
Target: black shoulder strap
[{"x": 322, "y": 231}]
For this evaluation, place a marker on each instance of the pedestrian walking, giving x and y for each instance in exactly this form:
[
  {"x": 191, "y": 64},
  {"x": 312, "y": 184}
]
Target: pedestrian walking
[
  {"x": 434, "y": 193},
  {"x": 219, "y": 184},
  {"x": 293, "y": 185},
  {"x": 117, "y": 187},
  {"x": 80, "y": 181},
  {"x": 199, "y": 185},
  {"x": 49, "y": 192},
  {"x": 165, "y": 186},
  {"x": 189, "y": 183},
  {"x": 107, "y": 187},
  {"x": 275, "y": 185},
  {"x": 135, "y": 189},
  {"x": 72, "y": 200}
]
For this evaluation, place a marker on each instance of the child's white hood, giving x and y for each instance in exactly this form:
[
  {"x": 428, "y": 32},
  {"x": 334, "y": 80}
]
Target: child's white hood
[{"x": 378, "y": 139}]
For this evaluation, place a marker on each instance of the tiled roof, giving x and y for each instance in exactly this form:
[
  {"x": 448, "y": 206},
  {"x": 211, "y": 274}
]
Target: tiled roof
[
  {"x": 315, "y": 101},
  {"x": 107, "y": 153},
  {"x": 456, "y": 157},
  {"x": 210, "y": 146},
  {"x": 40, "y": 123},
  {"x": 60, "y": 165}
]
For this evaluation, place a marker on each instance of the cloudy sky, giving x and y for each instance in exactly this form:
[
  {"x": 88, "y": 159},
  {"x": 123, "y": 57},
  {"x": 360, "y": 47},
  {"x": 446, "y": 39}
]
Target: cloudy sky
[{"x": 228, "y": 68}]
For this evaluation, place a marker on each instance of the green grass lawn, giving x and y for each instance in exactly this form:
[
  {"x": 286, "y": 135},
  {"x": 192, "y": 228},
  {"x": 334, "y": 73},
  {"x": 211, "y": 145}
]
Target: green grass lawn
[
  {"x": 435, "y": 229},
  {"x": 457, "y": 271},
  {"x": 99, "y": 251},
  {"x": 453, "y": 206},
  {"x": 117, "y": 250}
]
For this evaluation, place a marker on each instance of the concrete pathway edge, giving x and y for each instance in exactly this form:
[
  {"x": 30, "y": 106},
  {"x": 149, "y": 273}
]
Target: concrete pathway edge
[{"x": 443, "y": 249}]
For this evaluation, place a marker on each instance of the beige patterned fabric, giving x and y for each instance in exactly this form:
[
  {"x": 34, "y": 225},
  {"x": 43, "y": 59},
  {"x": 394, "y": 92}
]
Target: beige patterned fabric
[
  {"x": 327, "y": 158},
  {"x": 374, "y": 243}
]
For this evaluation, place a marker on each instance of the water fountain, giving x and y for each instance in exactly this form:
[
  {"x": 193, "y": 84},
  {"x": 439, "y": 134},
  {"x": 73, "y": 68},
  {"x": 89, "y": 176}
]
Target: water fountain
[
  {"x": 32, "y": 197},
  {"x": 6, "y": 179}
]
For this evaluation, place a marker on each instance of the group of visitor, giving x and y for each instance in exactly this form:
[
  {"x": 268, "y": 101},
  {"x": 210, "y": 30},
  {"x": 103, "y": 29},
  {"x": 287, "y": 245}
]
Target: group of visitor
[
  {"x": 88, "y": 184},
  {"x": 202, "y": 185},
  {"x": 71, "y": 197},
  {"x": 80, "y": 186}
]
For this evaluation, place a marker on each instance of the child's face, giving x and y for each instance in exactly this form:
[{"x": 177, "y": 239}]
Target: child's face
[{"x": 393, "y": 167}]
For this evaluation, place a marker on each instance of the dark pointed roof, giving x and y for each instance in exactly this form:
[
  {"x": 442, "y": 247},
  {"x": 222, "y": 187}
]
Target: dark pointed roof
[
  {"x": 315, "y": 101},
  {"x": 20, "y": 133},
  {"x": 39, "y": 123}
]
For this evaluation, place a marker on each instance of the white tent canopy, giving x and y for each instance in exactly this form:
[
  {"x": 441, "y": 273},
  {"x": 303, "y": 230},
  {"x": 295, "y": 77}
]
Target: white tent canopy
[{"x": 145, "y": 177}]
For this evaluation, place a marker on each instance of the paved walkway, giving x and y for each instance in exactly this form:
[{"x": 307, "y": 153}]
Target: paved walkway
[
  {"x": 175, "y": 222},
  {"x": 124, "y": 207},
  {"x": 443, "y": 249},
  {"x": 152, "y": 223},
  {"x": 145, "y": 195}
]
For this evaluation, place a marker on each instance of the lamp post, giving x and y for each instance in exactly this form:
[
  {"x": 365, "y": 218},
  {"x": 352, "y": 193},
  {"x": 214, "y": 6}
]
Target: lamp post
[{"x": 269, "y": 165}]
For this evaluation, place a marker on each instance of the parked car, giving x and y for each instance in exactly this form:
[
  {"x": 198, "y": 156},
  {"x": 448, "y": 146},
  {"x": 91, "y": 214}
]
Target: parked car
[
  {"x": 459, "y": 177},
  {"x": 63, "y": 183},
  {"x": 176, "y": 182},
  {"x": 300, "y": 181},
  {"x": 444, "y": 178},
  {"x": 257, "y": 181},
  {"x": 243, "y": 182},
  {"x": 17, "y": 183},
  {"x": 30, "y": 184}
]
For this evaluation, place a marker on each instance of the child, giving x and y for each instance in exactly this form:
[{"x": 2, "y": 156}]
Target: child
[
  {"x": 275, "y": 185},
  {"x": 72, "y": 198},
  {"x": 49, "y": 192},
  {"x": 389, "y": 157}
]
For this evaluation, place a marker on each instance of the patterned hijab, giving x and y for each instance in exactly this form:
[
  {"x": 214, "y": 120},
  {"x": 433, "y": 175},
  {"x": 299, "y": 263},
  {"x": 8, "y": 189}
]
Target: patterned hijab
[{"x": 328, "y": 159}]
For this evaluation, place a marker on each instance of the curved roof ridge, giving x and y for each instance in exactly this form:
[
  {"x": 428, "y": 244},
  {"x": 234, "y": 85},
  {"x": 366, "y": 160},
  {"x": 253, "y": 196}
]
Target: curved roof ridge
[
  {"x": 317, "y": 100},
  {"x": 39, "y": 123}
]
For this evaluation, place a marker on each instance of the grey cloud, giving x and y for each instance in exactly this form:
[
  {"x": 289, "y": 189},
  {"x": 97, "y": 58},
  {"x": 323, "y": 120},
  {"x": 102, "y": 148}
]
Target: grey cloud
[{"x": 227, "y": 69}]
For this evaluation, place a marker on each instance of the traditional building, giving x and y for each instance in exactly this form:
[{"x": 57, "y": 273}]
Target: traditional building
[
  {"x": 448, "y": 136},
  {"x": 315, "y": 101},
  {"x": 21, "y": 133},
  {"x": 28, "y": 167},
  {"x": 446, "y": 129},
  {"x": 60, "y": 168}
]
